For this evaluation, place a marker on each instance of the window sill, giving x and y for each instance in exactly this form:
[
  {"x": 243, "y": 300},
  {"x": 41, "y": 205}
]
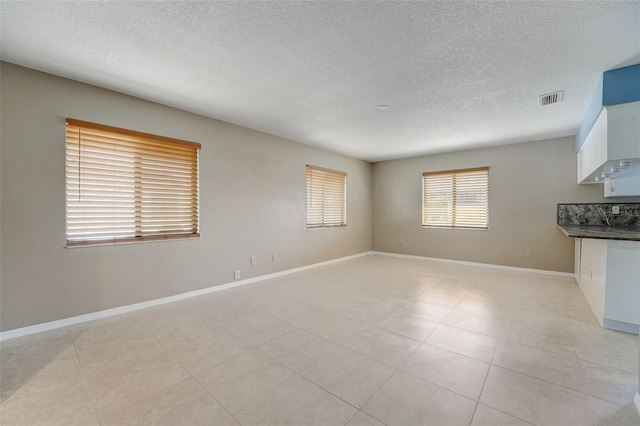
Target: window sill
[
  {"x": 326, "y": 227},
  {"x": 131, "y": 241},
  {"x": 456, "y": 228}
]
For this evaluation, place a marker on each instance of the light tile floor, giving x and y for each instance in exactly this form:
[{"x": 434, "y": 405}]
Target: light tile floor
[{"x": 371, "y": 341}]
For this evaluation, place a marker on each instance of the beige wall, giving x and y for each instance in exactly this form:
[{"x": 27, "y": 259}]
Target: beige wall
[
  {"x": 252, "y": 203},
  {"x": 526, "y": 182}
]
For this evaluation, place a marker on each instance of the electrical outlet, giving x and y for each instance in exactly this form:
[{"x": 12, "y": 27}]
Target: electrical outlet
[
  {"x": 527, "y": 253},
  {"x": 615, "y": 210},
  {"x": 273, "y": 257},
  {"x": 253, "y": 260},
  {"x": 236, "y": 274}
]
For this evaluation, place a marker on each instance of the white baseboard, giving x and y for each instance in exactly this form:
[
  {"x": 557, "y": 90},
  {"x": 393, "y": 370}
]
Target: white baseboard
[
  {"x": 25, "y": 331},
  {"x": 481, "y": 265}
]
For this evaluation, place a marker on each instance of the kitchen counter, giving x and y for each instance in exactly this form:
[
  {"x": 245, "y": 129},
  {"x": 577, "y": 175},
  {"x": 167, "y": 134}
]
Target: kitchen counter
[
  {"x": 621, "y": 233},
  {"x": 606, "y": 269}
]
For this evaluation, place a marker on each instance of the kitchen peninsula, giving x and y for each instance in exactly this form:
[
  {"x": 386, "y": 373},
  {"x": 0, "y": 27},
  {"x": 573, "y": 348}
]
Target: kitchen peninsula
[{"x": 607, "y": 259}]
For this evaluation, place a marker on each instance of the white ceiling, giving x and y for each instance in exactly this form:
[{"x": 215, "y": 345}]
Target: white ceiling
[{"x": 457, "y": 75}]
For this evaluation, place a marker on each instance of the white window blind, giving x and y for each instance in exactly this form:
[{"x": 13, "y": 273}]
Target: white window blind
[
  {"x": 124, "y": 186},
  {"x": 456, "y": 198},
  {"x": 326, "y": 198}
]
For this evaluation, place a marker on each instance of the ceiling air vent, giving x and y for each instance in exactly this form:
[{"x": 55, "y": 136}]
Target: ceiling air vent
[{"x": 551, "y": 98}]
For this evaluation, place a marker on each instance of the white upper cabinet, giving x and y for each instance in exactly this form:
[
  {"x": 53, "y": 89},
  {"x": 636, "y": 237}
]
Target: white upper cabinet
[
  {"x": 593, "y": 152},
  {"x": 611, "y": 150}
]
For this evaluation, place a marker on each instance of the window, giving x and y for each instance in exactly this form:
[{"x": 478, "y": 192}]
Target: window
[
  {"x": 326, "y": 198},
  {"x": 456, "y": 198},
  {"x": 124, "y": 186}
]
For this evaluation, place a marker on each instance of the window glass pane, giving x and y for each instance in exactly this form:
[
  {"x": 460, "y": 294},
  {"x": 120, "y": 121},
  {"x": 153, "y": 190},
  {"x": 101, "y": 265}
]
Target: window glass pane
[
  {"x": 326, "y": 198},
  {"x": 126, "y": 186},
  {"x": 456, "y": 198}
]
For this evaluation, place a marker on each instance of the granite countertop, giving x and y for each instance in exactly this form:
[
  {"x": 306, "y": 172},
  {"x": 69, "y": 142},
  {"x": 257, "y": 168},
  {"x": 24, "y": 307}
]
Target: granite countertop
[{"x": 623, "y": 233}]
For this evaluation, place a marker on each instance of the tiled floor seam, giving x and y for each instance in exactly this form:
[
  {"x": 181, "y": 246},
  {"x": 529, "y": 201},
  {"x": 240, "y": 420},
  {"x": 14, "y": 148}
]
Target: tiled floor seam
[
  {"x": 458, "y": 353},
  {"x": 554, "y": 384},
  {"x": 536, "y": 347},
  {"x": 596, "y": 396},
  {"x": 84, "y": 377},
  {"x": 398, "y": 369},
  {"x": 350, "y": 350},
  {"x": 504, "y": 412},
  {"x": 544, "y": 380},
  {"x": 575, "y": 355},
  {"x": 487, "y": 376},
  {"x": 400, "y": 335},
  {"x": 485, "y": 381},
  {"x": 475, "y": 409},
  {"x": 374, "y": 394},
  {"x": 351, "y": 418},
  {"x": 165, "y": 350},
  {"x": 170, "y": 355},
  {"x": 328, "y": 391},
  {"x": 478, "y": 410},
  {"x": 439, "y": 386},
  {"x": 261, "y": 397},
  {"x": 471, "y": 331},
  {"x": 212, "y": 397},
  {"x": 606, "y": 366},
  {"x": 382, "y": 362},
  {"x": 284, "y": 366},
  {"x": 582, "y": 383},
  {"x": 435, "y": 384},
  {"x": 307, "y": 331},
  {"x": 342, "y": 345}
]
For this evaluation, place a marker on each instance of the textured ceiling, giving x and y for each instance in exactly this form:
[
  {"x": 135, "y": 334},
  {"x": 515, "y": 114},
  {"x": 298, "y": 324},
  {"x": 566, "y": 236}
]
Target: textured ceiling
[{"x": 457, "y": 75}]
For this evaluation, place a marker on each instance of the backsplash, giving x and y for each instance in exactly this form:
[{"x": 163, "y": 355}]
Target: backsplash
[{"x": 599, "y": 214}]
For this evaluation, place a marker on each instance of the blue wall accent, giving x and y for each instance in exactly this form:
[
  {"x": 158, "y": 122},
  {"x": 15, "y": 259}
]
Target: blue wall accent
[
  {"x": 621, "y": 86},
  {"x": 617, "y": 86}
]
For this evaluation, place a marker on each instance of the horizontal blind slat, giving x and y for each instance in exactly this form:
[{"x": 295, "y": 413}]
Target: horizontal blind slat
[
  {"x": 127, "y": 186},
  {"x": 456, "y": 198},
  {"x": 326, "y": 198}
]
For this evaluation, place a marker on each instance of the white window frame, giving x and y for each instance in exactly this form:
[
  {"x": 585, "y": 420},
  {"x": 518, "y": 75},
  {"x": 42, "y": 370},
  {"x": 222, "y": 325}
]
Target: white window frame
[
  {"x": 124, "y": 186},
  {"x": 326, "y": 198},
  {"x": 456, "y": 199}
]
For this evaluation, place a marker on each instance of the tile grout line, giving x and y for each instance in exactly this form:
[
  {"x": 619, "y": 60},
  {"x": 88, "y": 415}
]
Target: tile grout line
[
  {"x": 351, "y": 418},
  {"x": 202, "y": 372},
  {"x": 214, "y": 398},
  {"x": 574, "y": 355},
  {"x": 395, "y": 370},
  {"x": 287, "y": 368},
  {"x": 294, "y": 372},
  {"x": 261, "y": 397},
  {"x": 555, "y": 384},
  {"x": 424, "y": 341},
  {"x": 84, "y": 376},
  {"x": 400, "y": 335},
  {"x": 399, "y": 369},
  {"x": 356, "y": 352},
  {"x": 486, "y": 377},
  {"x": 172, "y": 357},
  {"x": 374, "y": 394}
]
